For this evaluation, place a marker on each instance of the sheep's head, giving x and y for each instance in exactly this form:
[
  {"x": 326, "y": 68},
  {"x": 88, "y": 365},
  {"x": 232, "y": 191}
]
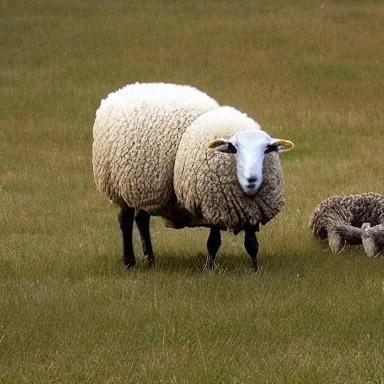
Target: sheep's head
[{"x": 250, "y": 146}]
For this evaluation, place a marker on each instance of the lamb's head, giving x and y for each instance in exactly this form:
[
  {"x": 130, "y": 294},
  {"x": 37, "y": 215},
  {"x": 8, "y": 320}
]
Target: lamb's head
[{"x": 250, "y": 146}]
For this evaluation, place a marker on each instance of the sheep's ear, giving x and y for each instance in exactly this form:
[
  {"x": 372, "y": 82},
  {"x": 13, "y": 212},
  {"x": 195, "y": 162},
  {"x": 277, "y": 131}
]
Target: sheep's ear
[
  {"x": 279, "y": 145},
  {"x": 221, "y": 145}
]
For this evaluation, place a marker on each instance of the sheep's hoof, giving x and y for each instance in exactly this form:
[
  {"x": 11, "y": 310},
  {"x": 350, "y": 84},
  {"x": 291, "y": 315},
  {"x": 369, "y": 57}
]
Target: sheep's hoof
[
  {"x": 210, "y": 264},
  {"x": 370, "y": 248},
  {"x": 150, "y": 263},
  {"x": 129, "y": 263},
  {"x": 335, "y": 242},
  {"x": 255, "y": 267}
]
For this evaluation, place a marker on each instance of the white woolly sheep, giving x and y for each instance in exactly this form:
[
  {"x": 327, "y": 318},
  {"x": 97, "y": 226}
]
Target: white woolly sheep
[
  {"x": 348, "y": 220},
  {"x": 150, "y": 157}
]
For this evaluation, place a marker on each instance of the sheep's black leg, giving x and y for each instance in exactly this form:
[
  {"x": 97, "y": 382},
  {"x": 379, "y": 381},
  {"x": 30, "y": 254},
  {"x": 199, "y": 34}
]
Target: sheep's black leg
[
  {"x": 252, "y": 246},
  {"x": 142, "y": 220},
  {"x": 213, "y": 245},
  {"x": 126, "y": 217}
]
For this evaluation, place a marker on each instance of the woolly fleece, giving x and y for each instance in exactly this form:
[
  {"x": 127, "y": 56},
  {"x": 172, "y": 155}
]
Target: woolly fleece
[
  {"x": 205, "y": 181},
  {"x": 340, "y": 218},
  {"x": 135, "y": 138},
  {"x": 352, "y": 209}
]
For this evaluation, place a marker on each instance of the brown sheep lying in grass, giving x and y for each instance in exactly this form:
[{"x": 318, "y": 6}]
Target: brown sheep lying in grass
[{"x": 351, "y": 220}]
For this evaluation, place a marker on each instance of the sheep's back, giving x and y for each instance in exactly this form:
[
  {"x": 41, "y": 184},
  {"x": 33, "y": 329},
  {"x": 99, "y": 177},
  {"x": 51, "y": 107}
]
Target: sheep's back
[
  {"x": 353, "y": 210},
  {"x": 135, "y": 144},
  {"x": 206, "y": 181}
]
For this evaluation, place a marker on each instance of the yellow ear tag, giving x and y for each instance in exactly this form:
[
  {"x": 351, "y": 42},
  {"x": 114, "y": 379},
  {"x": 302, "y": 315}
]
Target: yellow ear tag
[
  {"x": 214, "y": 143},
  {"x": 285, "y": 143}
]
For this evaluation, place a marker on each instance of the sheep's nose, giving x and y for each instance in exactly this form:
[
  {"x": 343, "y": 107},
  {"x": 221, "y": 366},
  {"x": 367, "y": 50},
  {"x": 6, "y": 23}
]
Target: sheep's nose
[{"x": 251, "y": 183}]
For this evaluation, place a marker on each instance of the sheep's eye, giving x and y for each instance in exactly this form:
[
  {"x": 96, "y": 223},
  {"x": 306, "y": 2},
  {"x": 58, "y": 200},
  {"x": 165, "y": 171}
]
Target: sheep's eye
[
  {"x": 270, "y": 148},
  {"x": 231, "y": 148}
]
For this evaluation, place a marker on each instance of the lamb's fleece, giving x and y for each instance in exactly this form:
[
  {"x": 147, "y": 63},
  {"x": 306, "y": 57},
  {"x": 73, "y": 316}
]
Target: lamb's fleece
[
  {"x": 344, "y": 215},
  {"x": 136, "y": 135},
  {"x": 206, "y": 183}
]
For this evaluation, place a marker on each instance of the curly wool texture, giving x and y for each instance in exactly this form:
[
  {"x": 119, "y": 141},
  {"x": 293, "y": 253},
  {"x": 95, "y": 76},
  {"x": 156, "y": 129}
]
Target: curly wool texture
[
  {"x": 206, "y": 184},
  {"x": 136, "y": 135},
  {"x": 340, "y": 218}
]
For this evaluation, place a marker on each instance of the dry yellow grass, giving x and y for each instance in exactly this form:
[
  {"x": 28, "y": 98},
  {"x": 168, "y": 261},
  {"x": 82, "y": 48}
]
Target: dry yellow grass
[{"x": 307, "y": 70}]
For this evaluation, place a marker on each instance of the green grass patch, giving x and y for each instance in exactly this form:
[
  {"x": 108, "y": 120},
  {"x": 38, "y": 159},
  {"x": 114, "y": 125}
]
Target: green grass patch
[{"x": 323, "y": 72}]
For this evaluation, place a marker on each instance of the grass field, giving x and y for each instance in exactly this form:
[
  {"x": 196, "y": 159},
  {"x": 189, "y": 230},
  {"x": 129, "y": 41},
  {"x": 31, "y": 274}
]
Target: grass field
[{"x": 306, "y": 70}]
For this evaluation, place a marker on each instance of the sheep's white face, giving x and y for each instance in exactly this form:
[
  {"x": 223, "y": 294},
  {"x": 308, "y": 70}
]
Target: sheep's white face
[{"x": 250, "y": 147}]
